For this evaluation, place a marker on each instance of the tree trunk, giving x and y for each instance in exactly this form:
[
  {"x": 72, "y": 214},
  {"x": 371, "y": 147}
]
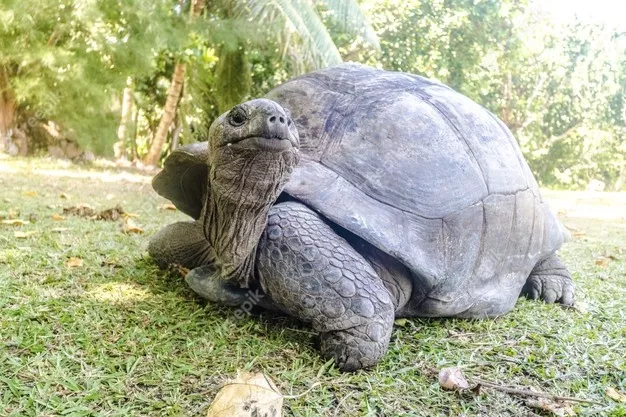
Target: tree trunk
[
  {"x": 7, "y": 110},
  {"x": 125, "y": 120},
  {"x": 621, "y": 179},
  {"x": 176, "y": 134},
  {"x": 171, "y": 103},
  {"x": 133, "y": 140}
]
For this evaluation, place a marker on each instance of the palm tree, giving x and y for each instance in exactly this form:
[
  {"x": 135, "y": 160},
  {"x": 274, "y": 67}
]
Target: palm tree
[
  {"x": 173, "y": 96},
  {"x": 303, "y": 35},
  {"x": 305, "y": 32}
]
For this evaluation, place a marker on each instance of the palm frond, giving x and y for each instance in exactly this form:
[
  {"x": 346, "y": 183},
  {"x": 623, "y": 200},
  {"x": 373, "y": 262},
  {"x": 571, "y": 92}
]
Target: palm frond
[
  {"x": 233, "y": 77},
  {"x": 350, "y": 17},
  {"x": 300, "y": 16}
]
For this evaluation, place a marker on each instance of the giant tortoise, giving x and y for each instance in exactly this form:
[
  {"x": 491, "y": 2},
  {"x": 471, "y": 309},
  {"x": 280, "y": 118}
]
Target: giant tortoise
[{"x": 350, "y": 196}]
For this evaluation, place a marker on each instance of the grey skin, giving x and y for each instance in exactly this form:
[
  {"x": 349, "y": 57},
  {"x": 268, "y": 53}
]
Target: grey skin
[{"x": 380, "y": 195}]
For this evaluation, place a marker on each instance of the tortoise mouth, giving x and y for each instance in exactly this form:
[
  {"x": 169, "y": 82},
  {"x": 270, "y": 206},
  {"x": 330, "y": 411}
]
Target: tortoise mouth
[{"x": 273, "y": 143}]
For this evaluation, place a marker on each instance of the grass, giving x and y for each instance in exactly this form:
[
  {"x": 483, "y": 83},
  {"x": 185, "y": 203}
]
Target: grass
[{"x": 118, "y": 337}]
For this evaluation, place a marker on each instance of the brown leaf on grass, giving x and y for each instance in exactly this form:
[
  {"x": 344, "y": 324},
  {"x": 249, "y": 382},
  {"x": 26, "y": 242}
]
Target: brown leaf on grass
[
  {"x": 15, "y": 222},
  {"x": 577, "y": 233},
  {"x": 246, "y": 396},
  {"x": 64, "y": 196},
  {"x": 167, "y": 206},
  {"x": 14, "y": 214},
  {"x": 111, "y": 214},
  {"x": 452, "y": 379},
  {"x": 81, "y": 210},
  {"x": 603, "y": 261},
  {"x": 110, "y": 264},
  {"x": 85, "y": 210},
  {"x": 74, "y": 262},
  {"x": 181, "y": 269},
  {"x": 556, "y": 408},
  {"x": 29, "y": 193},
  {"x": 616, "y": 395},
  {"x": 131, "y": 227},
  {"x": 57, "y": 217},
  {"x": 22, "y": 235}
]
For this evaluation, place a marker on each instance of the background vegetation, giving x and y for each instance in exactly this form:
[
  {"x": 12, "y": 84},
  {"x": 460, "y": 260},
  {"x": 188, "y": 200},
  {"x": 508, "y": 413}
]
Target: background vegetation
[{"x": 135, "y": 78}]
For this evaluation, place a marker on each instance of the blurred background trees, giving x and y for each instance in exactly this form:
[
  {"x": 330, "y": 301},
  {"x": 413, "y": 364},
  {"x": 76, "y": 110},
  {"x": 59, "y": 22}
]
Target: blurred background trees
[{"x": 136, "y": 78}]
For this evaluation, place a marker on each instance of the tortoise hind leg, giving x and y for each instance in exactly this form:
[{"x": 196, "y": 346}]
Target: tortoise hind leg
[
  {"x": 313, "y": 274},
  {"x": 551, "y": 282}
]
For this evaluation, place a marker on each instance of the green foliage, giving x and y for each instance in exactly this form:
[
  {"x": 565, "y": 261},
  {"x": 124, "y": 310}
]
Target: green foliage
[
  {"x": 305, "y": 37},
  {"x": 67, "y": 60},
  {"x": 559, "y": 87},
  {"x": 232, "y": 78}
]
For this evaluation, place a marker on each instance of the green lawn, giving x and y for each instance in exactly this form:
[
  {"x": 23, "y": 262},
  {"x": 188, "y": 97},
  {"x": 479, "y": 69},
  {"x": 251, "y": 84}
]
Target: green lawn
[{"x": 115, "y": 336}]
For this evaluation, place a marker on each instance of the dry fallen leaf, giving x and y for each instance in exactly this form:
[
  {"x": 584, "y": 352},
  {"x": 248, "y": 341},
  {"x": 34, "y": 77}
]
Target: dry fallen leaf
[
  {"x": 556, "y": 408},
  {"x": 181, "y": 269},
  {"x": 74, "y": 262},
  {"x": 111, "y": 214},
  {"x": 616, "y": 395},
  {"x": 603, "y": 261},
  {"x": 57, "y": 217},
  {"x": 13, "y": 214},
  {"x": 110, "y": 264},
  {"x": 82, "y": 210},
  {"x": 452, "y": 379},
  {"x": 131, "y": 227},
  {"x": 167, "y": 206},
  {"x": 246, "y": 396},
  {"x": 576, "y": 232},
  {"x": 15, "y": 222},
  {"x": 22, "y": 235},
  {"x": 30, "y": 193},
  {"x": 64, "y": 196}
]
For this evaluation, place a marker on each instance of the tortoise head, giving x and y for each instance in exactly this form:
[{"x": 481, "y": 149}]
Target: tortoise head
[{"x": 253, "y": 148}]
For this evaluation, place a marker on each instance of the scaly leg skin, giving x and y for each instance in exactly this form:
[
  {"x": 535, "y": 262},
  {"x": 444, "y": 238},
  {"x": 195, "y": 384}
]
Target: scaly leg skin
[
  {"x": 184, "y": 244},
  {"x": 551, "y": 282},
  {"x": 181, "y": 243},
  {"x": 313, "y": 274}
]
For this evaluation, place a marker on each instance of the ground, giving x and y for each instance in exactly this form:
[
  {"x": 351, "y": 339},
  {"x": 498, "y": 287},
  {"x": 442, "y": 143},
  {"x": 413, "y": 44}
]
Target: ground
[{"x": 89, "y": 326}]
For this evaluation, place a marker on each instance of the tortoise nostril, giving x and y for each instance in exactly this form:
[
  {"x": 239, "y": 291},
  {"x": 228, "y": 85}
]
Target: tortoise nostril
[
  {"x": 272, "y": 119},
  {"x": 282, "y": 119}
]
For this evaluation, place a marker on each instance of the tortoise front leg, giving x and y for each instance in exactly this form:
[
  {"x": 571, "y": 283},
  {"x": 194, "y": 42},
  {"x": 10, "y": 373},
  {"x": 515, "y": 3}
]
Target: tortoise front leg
[
  {"x": 181, "y": 243},
  {"x": 313, "y": 274},
  {"x": 184, "y": 244}
]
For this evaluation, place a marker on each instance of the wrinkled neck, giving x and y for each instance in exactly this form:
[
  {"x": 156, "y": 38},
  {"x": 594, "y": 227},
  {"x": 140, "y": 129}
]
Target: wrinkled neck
[{"x": 236, "y": 213}]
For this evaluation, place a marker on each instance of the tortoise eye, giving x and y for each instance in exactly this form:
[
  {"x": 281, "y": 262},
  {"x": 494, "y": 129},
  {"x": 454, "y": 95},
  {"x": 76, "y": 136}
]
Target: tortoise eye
[{"x": 237, "y": 116}]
